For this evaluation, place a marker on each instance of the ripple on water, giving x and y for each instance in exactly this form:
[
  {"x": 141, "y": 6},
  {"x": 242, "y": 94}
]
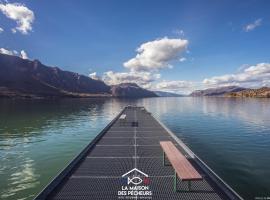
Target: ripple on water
[{"x": 21, "y": 178}]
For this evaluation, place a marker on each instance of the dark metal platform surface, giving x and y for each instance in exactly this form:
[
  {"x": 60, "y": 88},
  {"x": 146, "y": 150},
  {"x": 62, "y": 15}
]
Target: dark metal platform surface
[{"x": 97, "y": 172}]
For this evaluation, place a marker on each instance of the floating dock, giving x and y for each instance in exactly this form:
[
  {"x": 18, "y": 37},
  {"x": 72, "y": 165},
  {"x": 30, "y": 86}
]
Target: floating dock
[{"x": 125, "y": 161}]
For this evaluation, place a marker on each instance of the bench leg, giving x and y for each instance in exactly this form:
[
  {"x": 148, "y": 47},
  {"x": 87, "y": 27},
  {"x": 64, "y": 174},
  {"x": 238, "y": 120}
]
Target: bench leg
[
  {"x": 189, "y": 185},
  {"x": 163, "y": 158},
  {"x": 175, "y": 186},
  {"x": 175, "y": 182}
]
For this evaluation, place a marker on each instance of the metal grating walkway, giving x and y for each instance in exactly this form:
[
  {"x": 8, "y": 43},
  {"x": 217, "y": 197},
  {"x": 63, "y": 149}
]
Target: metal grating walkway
[{"x": 97, "y": 173}]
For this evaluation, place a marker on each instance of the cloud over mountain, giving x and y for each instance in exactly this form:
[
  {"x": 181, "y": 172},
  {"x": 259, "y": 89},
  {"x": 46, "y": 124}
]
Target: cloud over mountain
[
  {"x": 141, "y": 78},
  {"x": 157, "y": 54},
  {"x": 253, "y": 76},
  {"x": 94, "y": 76},
  {"x": 7, "y": 52},
  {"x": 174, "y": 86},
  {"x": 22, "y": 54}
]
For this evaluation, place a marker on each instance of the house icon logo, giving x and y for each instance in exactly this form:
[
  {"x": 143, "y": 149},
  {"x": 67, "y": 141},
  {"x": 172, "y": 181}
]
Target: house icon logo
[
  {"x": 135, "y": 177},
  {"x": 135, "y": 184}
]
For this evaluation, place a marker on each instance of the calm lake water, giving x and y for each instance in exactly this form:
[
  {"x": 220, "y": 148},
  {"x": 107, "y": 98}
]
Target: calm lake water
[{"x": 38, "y": 138}]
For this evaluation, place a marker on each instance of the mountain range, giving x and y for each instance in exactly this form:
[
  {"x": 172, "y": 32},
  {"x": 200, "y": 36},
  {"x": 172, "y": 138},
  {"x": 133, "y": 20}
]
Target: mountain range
[
  {"x": 233, "y": 91},
  {"x": 219, "y": 91},
  {"x": 31, "y": 79},
  {"x": 131, "y": 90},
  {"x": 23, "y": 78},
  {"x": 263, "y": 92}
]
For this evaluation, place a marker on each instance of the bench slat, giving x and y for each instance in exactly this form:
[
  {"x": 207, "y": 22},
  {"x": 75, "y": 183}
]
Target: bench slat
[{"x": 182, "y": 166}]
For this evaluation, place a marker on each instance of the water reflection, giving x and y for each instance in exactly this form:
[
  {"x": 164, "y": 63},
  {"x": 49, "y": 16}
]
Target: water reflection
[
  {"x": 33, "y": 134},
  {"x": 38, "y": 138},
  {"x": 249, "y": 110},
  {"x": 22, "y": 177}
]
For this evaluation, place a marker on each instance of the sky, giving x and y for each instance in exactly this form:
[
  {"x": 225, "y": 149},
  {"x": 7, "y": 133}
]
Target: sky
[{"x": 176, "y": 46}]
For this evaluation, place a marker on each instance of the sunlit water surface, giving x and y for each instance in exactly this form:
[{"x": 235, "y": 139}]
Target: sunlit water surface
[{"x": 39, "y": 138}]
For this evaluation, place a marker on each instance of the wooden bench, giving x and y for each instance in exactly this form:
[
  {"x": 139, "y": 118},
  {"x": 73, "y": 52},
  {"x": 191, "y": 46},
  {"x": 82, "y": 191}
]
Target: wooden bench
[{"x": 182, "y": 167}]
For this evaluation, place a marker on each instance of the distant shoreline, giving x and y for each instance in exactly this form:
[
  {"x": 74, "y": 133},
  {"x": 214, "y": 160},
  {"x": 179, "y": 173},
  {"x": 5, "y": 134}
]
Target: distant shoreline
[
  {"x": 92, "y": 96},
  {"x": 233, "y": 91}
]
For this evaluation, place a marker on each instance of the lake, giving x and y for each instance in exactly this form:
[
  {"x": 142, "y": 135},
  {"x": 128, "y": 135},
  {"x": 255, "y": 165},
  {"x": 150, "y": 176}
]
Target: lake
[{"x": 38, "y": 138}]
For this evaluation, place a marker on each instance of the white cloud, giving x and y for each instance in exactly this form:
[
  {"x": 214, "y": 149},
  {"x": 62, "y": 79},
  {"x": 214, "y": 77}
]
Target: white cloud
[
  {"x": 253, "y": 76},
  {"x": 183, "y": 59},
  {"x": 250, "y": 76},
  {"x": 141, "y": 78},
  {"x": 155, "y": 55},
  {"x": 252, "y": 26},
  {"x": 94, "y": 76},
  {"x": 148, "y": 80},
  {"x": 23, "y": 16},
  {"x": 1, "y": 30},
  {"x": 178, "y": 86},
  {"x": 5, "y": 51},
  {"x": 151, "y": 57},
  {"x": 22, "y": 54},
  {"x": 13, "y": 30},
  {"x": 179, "y": 32}
]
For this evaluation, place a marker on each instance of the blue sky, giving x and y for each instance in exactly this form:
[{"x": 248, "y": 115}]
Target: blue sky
[{"x": 226, "y": 40}]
